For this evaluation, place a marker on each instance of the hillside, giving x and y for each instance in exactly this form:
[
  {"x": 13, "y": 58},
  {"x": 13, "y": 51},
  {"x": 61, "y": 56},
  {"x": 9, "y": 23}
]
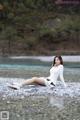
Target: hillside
[{"x": 29, "y": 27}]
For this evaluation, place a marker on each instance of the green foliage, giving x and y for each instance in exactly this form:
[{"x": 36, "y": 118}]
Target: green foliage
[{"x": 37, "y": 23}]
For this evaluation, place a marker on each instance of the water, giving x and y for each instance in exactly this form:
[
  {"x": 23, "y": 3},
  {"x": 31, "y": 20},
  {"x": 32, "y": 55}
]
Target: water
[{"x": 39, "y": 102}]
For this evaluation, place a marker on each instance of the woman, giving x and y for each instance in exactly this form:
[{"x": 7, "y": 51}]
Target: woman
[{"x": 55, "y": 72}]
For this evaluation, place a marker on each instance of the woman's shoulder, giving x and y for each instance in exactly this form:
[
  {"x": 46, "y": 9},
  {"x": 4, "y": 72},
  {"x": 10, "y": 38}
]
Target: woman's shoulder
[{"x": 61, "y": 66}]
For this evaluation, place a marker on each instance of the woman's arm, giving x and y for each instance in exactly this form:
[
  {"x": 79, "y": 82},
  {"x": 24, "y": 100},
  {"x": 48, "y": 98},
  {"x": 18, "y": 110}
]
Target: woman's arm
[{"x": 61, "y": 76}]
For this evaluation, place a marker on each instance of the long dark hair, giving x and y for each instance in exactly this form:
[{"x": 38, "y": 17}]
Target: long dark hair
[{"x": 60, "y": 58}]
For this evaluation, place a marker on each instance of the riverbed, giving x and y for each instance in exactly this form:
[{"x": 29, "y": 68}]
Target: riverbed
[{"x": 38, "y": 102}]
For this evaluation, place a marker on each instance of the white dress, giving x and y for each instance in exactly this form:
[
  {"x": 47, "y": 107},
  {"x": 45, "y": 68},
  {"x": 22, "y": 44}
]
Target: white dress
[{"x": 55, "y": 72}]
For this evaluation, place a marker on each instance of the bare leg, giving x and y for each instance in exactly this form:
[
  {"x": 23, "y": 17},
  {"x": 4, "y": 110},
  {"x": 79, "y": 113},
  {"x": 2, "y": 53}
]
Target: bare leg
[{"x": 34, "y": 80}]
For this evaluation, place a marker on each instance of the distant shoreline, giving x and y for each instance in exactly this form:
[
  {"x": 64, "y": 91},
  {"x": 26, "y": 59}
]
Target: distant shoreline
[{"x": 68, "y": 58}]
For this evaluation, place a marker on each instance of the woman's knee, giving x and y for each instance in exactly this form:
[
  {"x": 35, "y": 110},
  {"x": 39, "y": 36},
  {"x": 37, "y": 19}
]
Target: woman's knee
[{"x": 34, "y": 78}]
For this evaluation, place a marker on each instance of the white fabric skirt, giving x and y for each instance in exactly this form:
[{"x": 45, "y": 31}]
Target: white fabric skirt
[{"x": 47, "y": 83}]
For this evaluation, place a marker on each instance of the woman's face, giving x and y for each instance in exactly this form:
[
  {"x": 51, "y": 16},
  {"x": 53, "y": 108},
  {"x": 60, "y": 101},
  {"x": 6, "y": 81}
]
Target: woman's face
[{"x": 57, "y": 61}]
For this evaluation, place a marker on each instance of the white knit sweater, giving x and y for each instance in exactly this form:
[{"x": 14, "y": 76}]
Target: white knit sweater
[{"x": 55, "y": 72}]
